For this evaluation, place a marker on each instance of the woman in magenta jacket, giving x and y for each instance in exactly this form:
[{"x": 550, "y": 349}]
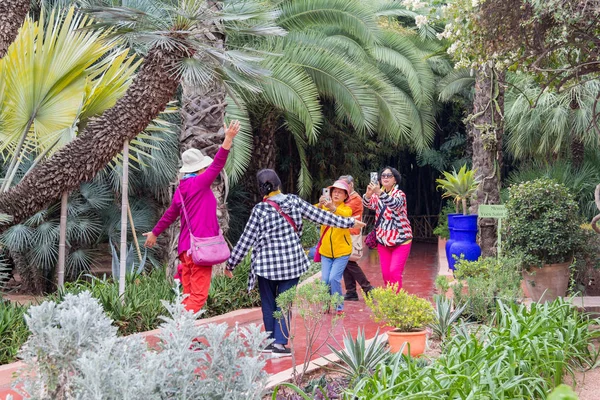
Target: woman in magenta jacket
[{"x": 200, "y": 171}]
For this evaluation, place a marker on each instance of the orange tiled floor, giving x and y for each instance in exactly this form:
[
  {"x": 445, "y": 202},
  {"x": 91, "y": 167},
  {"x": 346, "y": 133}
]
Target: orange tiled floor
[{"x": 419, "y": 277}]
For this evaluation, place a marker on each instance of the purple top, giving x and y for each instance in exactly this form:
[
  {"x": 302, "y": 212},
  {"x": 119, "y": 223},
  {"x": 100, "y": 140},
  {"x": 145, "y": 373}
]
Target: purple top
[{"x": 200, "y": 203}]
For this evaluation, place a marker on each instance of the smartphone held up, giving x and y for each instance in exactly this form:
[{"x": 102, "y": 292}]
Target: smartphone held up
[
  {"x": 374, "y": 177},
  {"x": 327, "y": 194}
]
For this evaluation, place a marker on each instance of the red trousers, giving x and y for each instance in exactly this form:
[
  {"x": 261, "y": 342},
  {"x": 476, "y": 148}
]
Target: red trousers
[{"x": 196, "y": 282}]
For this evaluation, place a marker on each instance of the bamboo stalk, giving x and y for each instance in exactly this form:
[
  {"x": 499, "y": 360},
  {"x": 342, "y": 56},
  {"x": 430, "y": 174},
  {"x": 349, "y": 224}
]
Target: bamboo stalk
[{"x": 124, "y": 207}]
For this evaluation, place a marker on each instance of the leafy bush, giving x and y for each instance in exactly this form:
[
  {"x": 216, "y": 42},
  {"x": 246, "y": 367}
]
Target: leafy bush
[
  {"x": 487, "y": 279},
  {"x": 399, "y": 309},
  {"x": 310, "y": 234},
  {"x": 311, "y": 301},
  {"x": 142, "y": 307},
  {"x": 543, "y": 222},
  {"x": 441, "y": 230},
  {"x": 227, "y": 294},
  {"x": 74, "y": 352},
  {"x": 13, "y": 330},
  {"x": 525, "y": 355},
  {"x": 586, "y": 266}
]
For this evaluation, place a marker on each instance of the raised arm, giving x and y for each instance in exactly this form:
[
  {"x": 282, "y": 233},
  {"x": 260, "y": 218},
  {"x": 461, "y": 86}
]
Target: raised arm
[
  {"x": 324, "y": 217},
  {"x": 246, "y": 241},
  {"x": 208, "y": 177}
]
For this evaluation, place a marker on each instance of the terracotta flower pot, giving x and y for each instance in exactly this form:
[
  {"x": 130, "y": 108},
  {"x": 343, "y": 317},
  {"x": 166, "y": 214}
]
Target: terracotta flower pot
[
  {"x": 416, "y": 340},
  {"x": 551, "y": 278}
]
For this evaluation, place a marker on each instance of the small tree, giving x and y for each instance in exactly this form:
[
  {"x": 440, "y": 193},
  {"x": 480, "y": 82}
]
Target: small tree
[{"x": 312, "y": 302}]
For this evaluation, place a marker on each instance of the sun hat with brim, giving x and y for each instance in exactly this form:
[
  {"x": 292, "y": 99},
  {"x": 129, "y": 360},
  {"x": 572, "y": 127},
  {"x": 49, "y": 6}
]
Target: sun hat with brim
[
  {"x": 194, "y": 160},
  {"x": 341, "y": 185}
]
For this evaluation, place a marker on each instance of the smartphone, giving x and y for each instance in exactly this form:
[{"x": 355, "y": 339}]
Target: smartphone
[
  {"x": 326, "y": 193},
  {"x": 374, "y": 178}
]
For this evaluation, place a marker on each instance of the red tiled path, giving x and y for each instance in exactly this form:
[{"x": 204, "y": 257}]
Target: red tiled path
[{"x": 419, "y": 276}]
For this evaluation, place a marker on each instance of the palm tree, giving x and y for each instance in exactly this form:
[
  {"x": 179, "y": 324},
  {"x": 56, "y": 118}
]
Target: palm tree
[
  {"x": 173, "y": 42},
  {"x": 377, "y": 79},
  {"x": 12, "y": 15}
]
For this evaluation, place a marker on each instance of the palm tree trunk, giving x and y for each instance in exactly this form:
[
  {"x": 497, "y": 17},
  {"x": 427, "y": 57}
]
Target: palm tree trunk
[
  {"x": 264, "y": 153},
  {"x": 487, "y": 131},
  {"x": 124, "y": 208},
  {"x": 12, "y": 15},
  {"x": 101, "y": 141}
]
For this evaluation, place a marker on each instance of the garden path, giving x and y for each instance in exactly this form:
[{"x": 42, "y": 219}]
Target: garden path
[{"x": 419, "y": 276}]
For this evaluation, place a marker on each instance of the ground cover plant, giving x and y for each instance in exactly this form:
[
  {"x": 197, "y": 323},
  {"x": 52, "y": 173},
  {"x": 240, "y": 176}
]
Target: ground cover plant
[
  {"x": 525, "y": 354},
  {"x": 13, "y": 331},
  {"x": 74, "y": 352},
  {"x": 143, "y": 307}
]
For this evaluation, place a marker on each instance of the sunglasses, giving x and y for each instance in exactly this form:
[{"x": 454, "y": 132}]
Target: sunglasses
[{"x": 387, "y": 175}]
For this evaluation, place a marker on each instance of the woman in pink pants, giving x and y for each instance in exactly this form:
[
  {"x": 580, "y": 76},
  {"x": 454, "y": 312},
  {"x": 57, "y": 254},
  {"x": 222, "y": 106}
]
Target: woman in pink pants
[{"x": 394, "y": 234}]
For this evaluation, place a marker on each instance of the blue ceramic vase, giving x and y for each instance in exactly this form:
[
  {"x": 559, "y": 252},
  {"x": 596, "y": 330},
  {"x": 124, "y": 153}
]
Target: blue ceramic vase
[
  {"x": 465, "y": 239},
  {"x": 450, "y": 240}
]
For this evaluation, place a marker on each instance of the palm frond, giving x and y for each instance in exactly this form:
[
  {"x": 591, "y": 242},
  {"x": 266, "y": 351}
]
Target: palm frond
[
  {"x": 350, "y": 15},
  {"x": 241, "y": 152},
  {"x": 291, "y": 89},
  {"x": 455, "y": 82}
]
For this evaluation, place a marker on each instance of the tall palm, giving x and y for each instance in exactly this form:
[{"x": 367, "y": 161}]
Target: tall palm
[
  {"x": 172, "y": 41},
  {"x": 378, "y": 79}
]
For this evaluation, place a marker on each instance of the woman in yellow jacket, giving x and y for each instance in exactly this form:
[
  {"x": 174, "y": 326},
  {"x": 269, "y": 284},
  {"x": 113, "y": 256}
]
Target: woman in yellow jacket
[{"x": 336, "y": 243}]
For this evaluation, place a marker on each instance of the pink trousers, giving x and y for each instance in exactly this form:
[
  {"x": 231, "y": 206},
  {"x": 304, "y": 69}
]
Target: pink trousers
[{"x": 393, "y": 260}]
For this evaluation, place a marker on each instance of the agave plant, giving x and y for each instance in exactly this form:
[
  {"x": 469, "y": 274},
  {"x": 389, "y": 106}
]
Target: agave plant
[
  {"x": 459, "y": 186},
  {"x": 131, "y": 267}
]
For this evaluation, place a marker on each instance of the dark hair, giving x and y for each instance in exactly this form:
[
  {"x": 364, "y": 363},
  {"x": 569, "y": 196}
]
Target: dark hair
[
  {"x": 268, "y": 181},
  {"x": 394, "y": 172}
]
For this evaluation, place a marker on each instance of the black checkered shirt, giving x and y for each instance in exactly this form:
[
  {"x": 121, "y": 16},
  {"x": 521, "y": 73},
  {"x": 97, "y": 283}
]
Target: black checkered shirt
[{"x": 277, "y": 253}]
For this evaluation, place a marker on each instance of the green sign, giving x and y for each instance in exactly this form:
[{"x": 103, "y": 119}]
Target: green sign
[
  {"x": 491, "y": 211},
  {"x": 494, "y": 211}
]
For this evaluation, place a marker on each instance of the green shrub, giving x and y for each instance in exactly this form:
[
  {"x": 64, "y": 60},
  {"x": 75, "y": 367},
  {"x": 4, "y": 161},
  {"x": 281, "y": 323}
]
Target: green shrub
[
  {"x": 310, "y": 234},
  {"x": 227, "y": 294},
  {"x": 399, "y": 309},
  {"x": 543, "y": 222},
  {"x": 74, "y": 353},
  {"x": 13, "y": 330},
  {"x": 143, "y": 295},
  {"x": 441, "y": 230},
  {"x": 487, "y": 279},
  {"x": 524, "y": 356}
]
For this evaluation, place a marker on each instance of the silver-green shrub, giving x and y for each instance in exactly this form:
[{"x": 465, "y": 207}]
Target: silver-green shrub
[{"x": 74, "y": 353}]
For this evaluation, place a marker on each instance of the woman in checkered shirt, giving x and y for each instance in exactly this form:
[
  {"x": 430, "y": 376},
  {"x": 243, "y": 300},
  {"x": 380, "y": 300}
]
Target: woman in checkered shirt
[{"x": 273, "y": 233}]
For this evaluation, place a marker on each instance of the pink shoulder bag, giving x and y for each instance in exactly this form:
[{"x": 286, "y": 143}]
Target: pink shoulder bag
[{"x": 209, "y": 250}]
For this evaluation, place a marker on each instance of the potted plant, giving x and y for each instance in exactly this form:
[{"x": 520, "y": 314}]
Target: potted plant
[
  {"x": 543, "y": 227},
  {"x": 463, "y": 227},
  {"x": 406, "y": 313}
]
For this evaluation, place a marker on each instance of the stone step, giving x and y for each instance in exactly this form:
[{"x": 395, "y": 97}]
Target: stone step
[{"x": 589, "y": 304}]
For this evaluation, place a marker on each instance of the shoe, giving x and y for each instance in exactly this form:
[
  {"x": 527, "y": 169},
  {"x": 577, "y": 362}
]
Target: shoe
[
  {"x": 269, "y": 348},
  {"x": 368, "y": 290},
  {"x": 351, "y": 296},
  {"x": 340, "y": 313},
  {"x": 281, "y": 351}
]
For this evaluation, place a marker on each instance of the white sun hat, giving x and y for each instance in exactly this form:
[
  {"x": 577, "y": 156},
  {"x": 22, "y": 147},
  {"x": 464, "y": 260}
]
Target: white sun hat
[{"x": 194, "y": 160}]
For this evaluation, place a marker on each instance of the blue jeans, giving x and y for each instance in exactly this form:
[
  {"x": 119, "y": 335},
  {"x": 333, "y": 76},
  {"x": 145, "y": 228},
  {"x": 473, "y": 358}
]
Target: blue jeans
[
  {"x": 269, "y": 290},
  {"x": 332, "y": 270}
]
